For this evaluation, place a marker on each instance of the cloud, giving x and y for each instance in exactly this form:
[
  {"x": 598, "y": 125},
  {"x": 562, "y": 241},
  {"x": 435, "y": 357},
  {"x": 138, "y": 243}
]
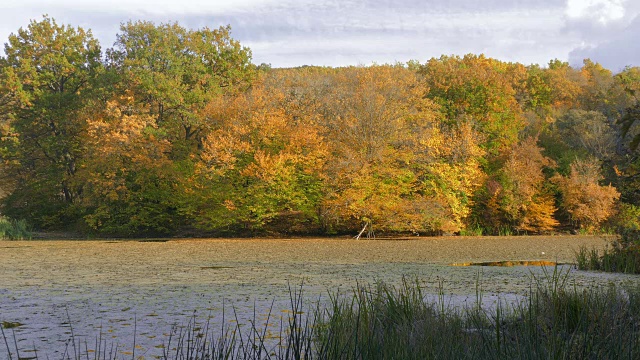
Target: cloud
[
  {"x": 350, "y": 32},
  {"x": 400, "y": 30},
  {"x": 620, "y": 50},
  {"x": 607, "y": 30},
  {"x": 602, "y": 11},
  {"x": 155, "y": 7}
]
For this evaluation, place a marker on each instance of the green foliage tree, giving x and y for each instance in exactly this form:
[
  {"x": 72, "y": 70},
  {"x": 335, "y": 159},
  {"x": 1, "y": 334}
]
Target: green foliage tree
[
  {"x": 46, "y": 78},
  {"x": 175, "y": 72},
  {"x": 627, "y": 167},
  {"x": 589, "y": 132},
  {"x": 630, "y": 121},
  {"x": 481, "y": 91}
]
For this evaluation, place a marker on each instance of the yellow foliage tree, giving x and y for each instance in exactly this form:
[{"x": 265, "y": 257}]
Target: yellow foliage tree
[{"x": 394, "y": 166}]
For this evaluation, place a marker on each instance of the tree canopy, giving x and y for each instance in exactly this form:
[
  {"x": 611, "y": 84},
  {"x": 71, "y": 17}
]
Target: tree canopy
[{"x": 175, "y": 131}]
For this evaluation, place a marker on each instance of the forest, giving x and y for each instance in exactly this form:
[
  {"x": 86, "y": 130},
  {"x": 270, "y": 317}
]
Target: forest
[{"x": 175, "y": 132}]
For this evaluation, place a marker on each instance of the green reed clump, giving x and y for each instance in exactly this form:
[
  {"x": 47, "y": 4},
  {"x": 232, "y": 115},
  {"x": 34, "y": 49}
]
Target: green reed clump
[
  {"x": 556, "y": 321},
  {"x": 11, "y": 229},
  {"x": 623, "y": 256},
  {"x": 379, "y": 321},
  {"x": 474, "y": 230},
  {"x": 384, "y": 322}
]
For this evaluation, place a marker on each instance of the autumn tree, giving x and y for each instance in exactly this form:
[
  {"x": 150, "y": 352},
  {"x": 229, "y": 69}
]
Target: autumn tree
[
  {"x": 549, "y": 93},
  {"x": 586, "y": 201},
  {"x": 391, "y": 160},
  {"x": 46, "y": 78},
  {"x": 130, "y": 184},
  {"x": 449, "y": 164},
  {"x": 566, "y": 84},
  {"x": 518, "y": 196},
  {"x": 481, "y": 91},
  {"x": 175, "y": 72},
  {"x": 259, "y": 166},
  {"x": 365, "y": 117}
]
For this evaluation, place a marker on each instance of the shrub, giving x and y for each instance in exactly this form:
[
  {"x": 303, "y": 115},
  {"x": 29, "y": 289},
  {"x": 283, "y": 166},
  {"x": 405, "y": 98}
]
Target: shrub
[{"x": 627, "y": 218}]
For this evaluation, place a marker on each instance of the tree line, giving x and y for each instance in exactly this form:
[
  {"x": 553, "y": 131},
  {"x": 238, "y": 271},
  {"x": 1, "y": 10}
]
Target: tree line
[{"x": 174, "y": 131}]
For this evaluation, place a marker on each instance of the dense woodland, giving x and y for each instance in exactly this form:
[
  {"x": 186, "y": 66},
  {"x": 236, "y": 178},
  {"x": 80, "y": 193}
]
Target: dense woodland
[{"x": 175, "y": 131}]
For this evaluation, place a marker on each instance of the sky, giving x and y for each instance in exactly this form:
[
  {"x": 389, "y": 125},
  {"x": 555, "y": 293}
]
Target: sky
[{"x": 287, "y": 33}]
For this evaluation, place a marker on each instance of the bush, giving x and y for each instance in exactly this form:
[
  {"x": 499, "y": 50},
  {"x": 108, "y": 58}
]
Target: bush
[{"x": 626, "y": 219}]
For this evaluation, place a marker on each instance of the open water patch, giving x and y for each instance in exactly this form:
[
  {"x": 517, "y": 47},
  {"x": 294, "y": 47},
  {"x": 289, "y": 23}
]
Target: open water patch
[{"x": 510, "y": 263}]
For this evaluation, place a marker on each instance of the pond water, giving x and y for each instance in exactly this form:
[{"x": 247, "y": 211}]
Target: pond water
[{"x": 114, "y": 290}]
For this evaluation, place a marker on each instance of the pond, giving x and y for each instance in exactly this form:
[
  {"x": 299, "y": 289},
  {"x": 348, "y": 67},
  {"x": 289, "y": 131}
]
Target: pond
[{"x": 114, "y": 289}]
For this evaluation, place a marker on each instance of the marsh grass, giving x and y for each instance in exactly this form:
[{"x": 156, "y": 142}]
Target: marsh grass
[
  {"x": 475, "y": 230},
  {"x": 11, "y": 229},
  {"x": 378, "y": 321},
  {"x": 622, "y": 256}
]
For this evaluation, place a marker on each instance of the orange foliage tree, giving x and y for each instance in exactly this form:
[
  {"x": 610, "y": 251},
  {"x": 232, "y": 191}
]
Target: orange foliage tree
[
  {"x": 258, "y": 165},
  {"x": 586, "y": 201},
  {"x": 393, "y": 165},
  {"x": 520, "y": 198}
]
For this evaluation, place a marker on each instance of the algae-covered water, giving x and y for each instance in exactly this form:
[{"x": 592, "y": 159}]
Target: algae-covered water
[{"x": 113, "y": 289}]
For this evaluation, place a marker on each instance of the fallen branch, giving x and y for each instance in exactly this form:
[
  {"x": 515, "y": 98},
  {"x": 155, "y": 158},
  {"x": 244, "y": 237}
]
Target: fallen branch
[{"x": 361, "y": 231}]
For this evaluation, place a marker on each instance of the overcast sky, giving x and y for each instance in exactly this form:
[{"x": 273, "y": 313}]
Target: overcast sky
[{"x": 288, "y": 33}]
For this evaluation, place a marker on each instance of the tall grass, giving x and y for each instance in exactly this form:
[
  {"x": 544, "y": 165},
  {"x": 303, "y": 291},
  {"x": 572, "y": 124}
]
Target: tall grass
[
  {"x": 623, "y": 256},
  {"x": 555, "y": 322},
  {"x": 11, "y": 229},
  {"x": 379, "y": 321},
  {"x": 474, "y": 230}
]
